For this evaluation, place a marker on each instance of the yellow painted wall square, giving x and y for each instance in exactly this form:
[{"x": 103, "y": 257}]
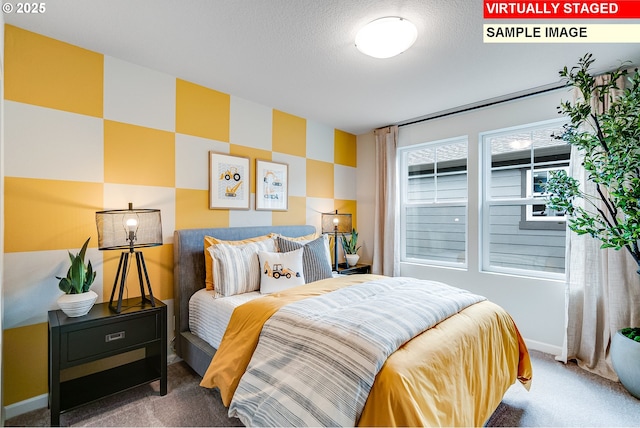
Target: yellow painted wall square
[
  {"x": 345, "y": 148},
  {"x": 50, "y": 73},
  {"x": 296, "y": 213},
  {"x": 202, "y": 112},
  {"x": 348, "y": 207},
  {"x": 24, "y": 356},
  {"x": 319, "y": 179},
  {"x": 50, "y": 214},
  {"x": 289, "y": 134},
  {"x": 137, "y": 155},
  {"x": 192, "y": 210}
]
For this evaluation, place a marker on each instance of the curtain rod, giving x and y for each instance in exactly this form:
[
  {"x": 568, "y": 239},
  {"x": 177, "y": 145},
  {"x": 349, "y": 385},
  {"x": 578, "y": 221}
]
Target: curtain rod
[
  {"x": 486, "y": 103},
  {"x": 503, "y": 99}
]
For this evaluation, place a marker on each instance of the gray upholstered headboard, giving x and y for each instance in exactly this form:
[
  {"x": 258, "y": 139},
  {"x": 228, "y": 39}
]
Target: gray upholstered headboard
[{"x": 189, "y": 270}]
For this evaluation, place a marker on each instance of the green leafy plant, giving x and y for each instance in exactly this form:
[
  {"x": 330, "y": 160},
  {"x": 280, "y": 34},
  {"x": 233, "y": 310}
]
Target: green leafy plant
[
  {"x": 632, "y": 333},
  {"x": 79, "y": 276},
  {"x": 610, "y": 142},
  {"x": 350, "y": 244}
]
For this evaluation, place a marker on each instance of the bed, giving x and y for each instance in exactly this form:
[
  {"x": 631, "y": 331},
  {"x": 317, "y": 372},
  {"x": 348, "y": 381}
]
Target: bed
[{"x": 453, "y": 374}]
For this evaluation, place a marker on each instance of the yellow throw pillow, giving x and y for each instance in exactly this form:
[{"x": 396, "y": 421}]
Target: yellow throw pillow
[
  {"x": 309, "y": 237},
  {"x": 208, "y": 260}
]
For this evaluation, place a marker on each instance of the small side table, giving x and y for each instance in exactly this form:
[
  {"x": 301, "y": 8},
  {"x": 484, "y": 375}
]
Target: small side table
[
  {"x": 100, "y": 334},
  {"x": 343, "y": 269}
]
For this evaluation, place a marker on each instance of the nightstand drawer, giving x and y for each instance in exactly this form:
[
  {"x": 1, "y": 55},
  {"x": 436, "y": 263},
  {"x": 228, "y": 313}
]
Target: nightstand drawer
[{"x": 110, "y": 337}]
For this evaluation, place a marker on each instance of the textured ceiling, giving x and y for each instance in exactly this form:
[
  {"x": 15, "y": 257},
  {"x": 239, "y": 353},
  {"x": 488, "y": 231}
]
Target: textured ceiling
[{"x": 298, "y": 56}]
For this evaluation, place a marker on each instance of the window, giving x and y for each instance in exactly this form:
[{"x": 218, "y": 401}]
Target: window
[
  {"x": 520, "y": 234},
  {"x": 534, "y": 187},
  {"x": 434, "y": 202}
]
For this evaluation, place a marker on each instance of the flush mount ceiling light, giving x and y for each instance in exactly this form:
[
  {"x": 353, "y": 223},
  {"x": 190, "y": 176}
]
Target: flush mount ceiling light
[{"x": 386, "y": 37}]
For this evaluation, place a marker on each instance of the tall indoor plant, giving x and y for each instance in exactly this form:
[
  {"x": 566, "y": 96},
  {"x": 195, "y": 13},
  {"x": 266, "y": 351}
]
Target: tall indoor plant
[{"x": 609, "y": 139}]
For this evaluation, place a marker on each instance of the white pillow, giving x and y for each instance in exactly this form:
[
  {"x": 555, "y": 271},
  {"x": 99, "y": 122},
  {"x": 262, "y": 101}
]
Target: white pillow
[
  {"x": 279, "y": 271},
  {"x": 236, "y": 268}
]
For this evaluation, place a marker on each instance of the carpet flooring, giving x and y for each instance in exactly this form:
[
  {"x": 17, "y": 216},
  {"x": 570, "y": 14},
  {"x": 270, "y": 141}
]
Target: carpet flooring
[{"x": 560, "y": 396}]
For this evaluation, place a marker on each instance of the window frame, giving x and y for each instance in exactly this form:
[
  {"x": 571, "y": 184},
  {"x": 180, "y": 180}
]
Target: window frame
[
  {"x": 487, "y": 202},
  {"x": 403, "y": 174},
  {"x": 556, "y": 222}
]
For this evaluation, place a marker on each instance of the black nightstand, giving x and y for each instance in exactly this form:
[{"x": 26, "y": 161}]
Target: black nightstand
[
  {"x": 100, "y": 334},
  {"x": 359, "y": 268}
]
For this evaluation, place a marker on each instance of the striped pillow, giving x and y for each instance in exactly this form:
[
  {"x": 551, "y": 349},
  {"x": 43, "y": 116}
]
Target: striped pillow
[
  {"x": 236, "y": 268},
  {"x": 303, "y": 240},
  {"x": 314, "y": 258},
  {"x": 208, "y": 261}
]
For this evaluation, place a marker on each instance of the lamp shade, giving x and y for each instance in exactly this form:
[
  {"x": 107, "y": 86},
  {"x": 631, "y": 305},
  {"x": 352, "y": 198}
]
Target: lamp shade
[
  {"x": 331, "y": 220},
  {"x": 126, "y": 229}
]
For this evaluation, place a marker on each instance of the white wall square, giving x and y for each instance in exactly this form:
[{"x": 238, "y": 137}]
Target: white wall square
[
  {"x": 118, "y": 196},
  {"x": 52, "y": 144},
  {"x": 139, "y": 95},
  {"x": 297, "y": 172},
  {"x": 320, "y": 141},
  {"x": 315, "y": 208},
  {"x": 192, "y": 160},
  {"x": 250, "y": 124},
  {"x": 28, "y": 293},
  {"x": 345, "y": 182}
]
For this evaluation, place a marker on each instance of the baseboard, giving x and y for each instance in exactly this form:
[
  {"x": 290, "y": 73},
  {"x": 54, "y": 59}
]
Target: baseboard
[
  {"x": 543, "y": 347},
  {"x": 33, "y": 403}
]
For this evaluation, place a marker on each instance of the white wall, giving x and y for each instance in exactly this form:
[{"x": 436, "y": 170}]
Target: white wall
[{"x": 537, "y": 305}]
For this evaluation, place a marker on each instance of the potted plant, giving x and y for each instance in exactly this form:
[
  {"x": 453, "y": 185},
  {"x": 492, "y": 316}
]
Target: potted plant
[
  {"x": 610, "y": 142},
  {"x": 78, "y": 298},
  {"x": 350, "y": 247}
]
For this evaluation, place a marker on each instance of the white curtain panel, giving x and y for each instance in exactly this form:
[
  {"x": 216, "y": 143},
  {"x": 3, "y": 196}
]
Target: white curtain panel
[
  {"x": 602, "y": 290},
  {"x": 386, "y": 257}
]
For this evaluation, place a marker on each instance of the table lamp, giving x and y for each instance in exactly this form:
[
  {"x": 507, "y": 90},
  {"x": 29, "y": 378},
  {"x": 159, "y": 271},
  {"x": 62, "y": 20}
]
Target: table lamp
[
  {"x": 127, "y": 230},
  {"x": 337, "y": 224}
]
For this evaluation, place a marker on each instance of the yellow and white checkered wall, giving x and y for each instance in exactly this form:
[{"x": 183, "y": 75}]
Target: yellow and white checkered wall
[{"x": 86, "y": 132}]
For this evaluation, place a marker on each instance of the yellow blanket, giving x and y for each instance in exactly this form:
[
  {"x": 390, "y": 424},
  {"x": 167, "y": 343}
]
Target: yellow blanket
[{"x": 454, "y": 374}]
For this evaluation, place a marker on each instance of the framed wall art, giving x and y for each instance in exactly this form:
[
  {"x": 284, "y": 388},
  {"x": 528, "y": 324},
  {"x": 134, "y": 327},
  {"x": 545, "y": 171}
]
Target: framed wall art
[
  {"x": 272, "y": 184},
  {"x": 228, "y": 182}
]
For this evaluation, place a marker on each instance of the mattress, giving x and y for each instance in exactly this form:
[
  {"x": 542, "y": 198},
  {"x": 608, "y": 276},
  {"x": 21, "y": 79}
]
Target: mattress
[{"x": 209, "y": 316}]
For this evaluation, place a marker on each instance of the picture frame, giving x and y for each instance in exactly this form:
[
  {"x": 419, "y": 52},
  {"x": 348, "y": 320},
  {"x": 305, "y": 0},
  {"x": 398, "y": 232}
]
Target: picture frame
[
  {"x": 229, "y": 178},
  {"x": 272, "y": 186}
]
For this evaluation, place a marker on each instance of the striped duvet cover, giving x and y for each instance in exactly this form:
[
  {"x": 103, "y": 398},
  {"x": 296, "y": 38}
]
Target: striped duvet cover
[
  {"x": 452, "y": 374},
  {"x": 317, "y": 358}
]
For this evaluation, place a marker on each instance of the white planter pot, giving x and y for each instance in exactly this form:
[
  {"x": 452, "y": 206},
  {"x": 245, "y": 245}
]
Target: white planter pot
[
  {"x": 352, "y": 259},
  {"x": 77, "y": 305},
  {"x": 625, "y": 356}
]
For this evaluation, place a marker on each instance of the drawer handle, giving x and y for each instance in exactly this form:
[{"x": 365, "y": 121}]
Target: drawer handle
[{"x": 114, "y": 336}]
